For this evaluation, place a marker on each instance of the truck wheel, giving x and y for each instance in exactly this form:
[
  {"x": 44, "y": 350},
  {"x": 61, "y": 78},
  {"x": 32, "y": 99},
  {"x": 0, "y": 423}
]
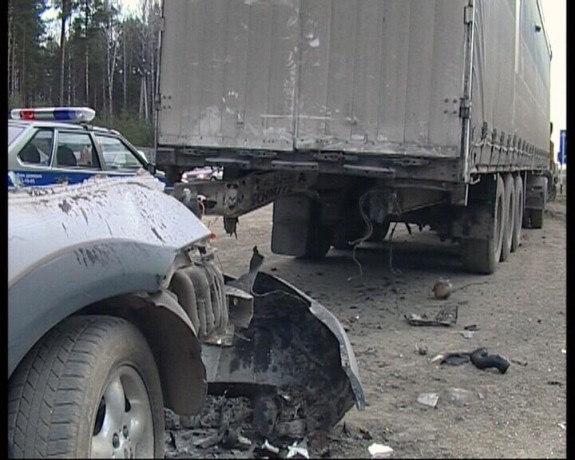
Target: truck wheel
[
  {"x": 318, "y": 243},
  {"x": 341, "y": 240},
  {"x": 173, "y": 174},
  {"x": 482, "y": 255},
  {"x": 509, "y": 217},
  {"x": 380, "y": 231},
  {"x": 516, "y": 240},
  {"x": 537, "y": 218},
  {"x": 89, "y": 389},
  {"x": 319, "y": 236}
]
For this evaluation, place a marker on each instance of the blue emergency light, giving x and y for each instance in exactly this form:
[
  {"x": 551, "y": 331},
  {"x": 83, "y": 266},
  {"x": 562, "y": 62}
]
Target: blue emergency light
[{"x": 69, "y": 114}]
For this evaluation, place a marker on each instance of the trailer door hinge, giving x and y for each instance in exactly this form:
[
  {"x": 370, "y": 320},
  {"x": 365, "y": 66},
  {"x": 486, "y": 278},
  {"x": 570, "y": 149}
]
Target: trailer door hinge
[
  {"x": 464, "y": 108},
  {"x": 468, "y": 14}
]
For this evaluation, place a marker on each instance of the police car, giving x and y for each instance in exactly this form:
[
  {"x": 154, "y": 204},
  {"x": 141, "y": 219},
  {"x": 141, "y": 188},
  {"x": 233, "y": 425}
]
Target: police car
[{"x": 58, "y": 145}]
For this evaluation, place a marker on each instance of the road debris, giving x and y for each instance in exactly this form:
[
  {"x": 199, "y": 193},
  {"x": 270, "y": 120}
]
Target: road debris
[
  {"x": 428, "y": 399},
  {"x": 458, "y": 396},
  {"x": 365, "y": 434},
  {"x": 442, "y": 289},
  {"x": 563, "y": 425},
  {"x": 447, "y": 316},
  {"x": 467, "y": 334},
  {"x": 519, "y": 361},
  {"x": 233, "y": 439},
  {"x": 206, "y": 443},
  {"x": 471, "y": 327},
  {"x": 269, "y": 447},
  {"x": 483, "y": 360},
  {"x": 298, "y": 450},
  {"x": 453, "y": 358},
  {"x": 380, "y": 451},
  {"x": 480, "y": 358},
  {"x": 564, "y": 351},
  {"x": 421, "y": 349}
]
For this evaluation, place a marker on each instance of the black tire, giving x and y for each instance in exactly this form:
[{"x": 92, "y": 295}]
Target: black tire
[
  {"x": 537, "y": 218},
  {"x": 318, "y": 244},
  {"x": 173, "y": 174},
  {"x": 341, "y": 240},
  {"x": 478, "y": 255},
  {"x": 57, "y": 404},
  {"x": 519, "y": 199},
  {"x": 319, "y": 236},
  {"x": 509, "y": 216},
  {"x": 380, "y": 231},
  {"x": 482, "y": 255}
]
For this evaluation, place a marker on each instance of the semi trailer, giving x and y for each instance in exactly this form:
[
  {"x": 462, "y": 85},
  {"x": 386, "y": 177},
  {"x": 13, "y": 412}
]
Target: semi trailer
[{"x": 352, "y": 115}]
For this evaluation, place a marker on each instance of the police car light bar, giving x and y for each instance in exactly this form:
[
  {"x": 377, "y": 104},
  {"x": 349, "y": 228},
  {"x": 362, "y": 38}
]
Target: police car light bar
[{"x": 69, "y": 114}]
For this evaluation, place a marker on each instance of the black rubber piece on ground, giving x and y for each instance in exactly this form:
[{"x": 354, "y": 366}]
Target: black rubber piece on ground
[{"x": 483, "y": 360}]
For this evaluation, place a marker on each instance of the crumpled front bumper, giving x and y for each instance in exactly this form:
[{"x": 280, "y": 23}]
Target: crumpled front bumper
[{"x": 294, "y": 359}]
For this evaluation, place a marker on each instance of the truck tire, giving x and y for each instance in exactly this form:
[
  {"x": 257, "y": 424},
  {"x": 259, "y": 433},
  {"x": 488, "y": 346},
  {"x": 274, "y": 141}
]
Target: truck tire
[
  {"x": 319, "y": 236},
  {"x": 481, "y": 255},
  {"x": 173, "y": 174},
  {"x": 380, "y": 231},
  {"x": 519, "y": 199},
  {"x": 343, "y": 236},
  {"x": 317, "y": 244},
  {"x": 509, "y": 218},
  {"x": 90, "y": 388},
  {"x": 537, "y": 218}
]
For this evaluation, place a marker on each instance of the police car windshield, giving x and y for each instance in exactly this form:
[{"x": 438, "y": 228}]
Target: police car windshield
[{"x": 13, "y": 133}]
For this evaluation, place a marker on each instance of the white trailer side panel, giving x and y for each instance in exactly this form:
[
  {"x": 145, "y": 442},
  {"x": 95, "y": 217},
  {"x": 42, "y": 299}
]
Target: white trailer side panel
[
  {"x": 510, "y": 84},
  {"x": 228, "y": 73},
  {"x": 381, "y": 76},
  {"x": 366, "y": 76}
]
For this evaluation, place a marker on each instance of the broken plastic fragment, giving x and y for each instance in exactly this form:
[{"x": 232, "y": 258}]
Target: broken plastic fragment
[
  {"x": 428, "y": 399},
  {"x": 380, "y": 451},
  {"x": 267, "y": 446},
  {"x": 298, "y": 450},
  {"x": 467, "y": 334}
]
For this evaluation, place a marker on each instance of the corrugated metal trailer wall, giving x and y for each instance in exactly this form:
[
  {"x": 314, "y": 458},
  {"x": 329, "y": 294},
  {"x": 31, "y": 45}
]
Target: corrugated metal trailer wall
[
  {"x": 381, "y": 76},
  {"x": 228, "y": 73},
  {"x": 510, "y": 86},
  {"x": 353, "y": 75},
  {"x": 372, "y": 76}
]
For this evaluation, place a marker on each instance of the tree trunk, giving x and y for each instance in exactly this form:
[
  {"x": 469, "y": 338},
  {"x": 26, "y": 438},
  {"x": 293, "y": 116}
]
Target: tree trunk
[
  {"x": 10, "y": 51},
  {"x": 87, "y": 56},
  {"x": 65, "y": 13},
  {"x": 125, "y": 73}
]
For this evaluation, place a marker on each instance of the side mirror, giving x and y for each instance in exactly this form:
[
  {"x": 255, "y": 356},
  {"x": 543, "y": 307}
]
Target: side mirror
[{"x": 151, "y": 168}]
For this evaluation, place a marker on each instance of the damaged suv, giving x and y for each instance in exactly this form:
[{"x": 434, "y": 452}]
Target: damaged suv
[{"x": 117, "y": 309}]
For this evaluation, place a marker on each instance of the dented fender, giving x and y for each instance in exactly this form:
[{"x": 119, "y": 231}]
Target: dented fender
[{"x": 174, "y": 343}]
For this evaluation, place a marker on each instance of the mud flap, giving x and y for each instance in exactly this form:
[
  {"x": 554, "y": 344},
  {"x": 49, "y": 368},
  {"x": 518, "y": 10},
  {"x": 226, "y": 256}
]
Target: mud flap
[{"x": 294, "y": 357}]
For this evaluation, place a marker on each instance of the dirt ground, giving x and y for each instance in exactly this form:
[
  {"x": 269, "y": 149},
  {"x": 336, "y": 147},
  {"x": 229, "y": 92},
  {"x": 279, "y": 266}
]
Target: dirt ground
[{"x": 520, "y": 314}]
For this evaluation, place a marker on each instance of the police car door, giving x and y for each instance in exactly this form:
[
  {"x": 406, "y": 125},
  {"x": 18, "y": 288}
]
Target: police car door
[
  {"x": 118, "y": 159},
  {"x": 75, "y": 158},
  {"x": 32, "y": 165}
]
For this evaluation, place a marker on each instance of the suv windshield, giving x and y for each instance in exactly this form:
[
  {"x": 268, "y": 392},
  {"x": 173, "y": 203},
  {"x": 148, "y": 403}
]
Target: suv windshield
[{"x": 13, "y": 133}]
